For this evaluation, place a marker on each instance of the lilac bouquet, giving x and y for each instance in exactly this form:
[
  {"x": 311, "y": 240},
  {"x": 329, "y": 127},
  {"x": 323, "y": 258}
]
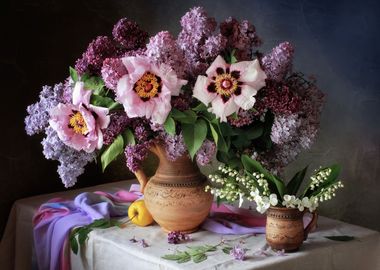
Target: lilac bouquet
[{"x": 209, "y": 93}]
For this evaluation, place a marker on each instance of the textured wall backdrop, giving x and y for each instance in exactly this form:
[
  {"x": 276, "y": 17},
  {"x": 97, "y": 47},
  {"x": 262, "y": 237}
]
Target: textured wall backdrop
[{"x": 337, "y": 41}]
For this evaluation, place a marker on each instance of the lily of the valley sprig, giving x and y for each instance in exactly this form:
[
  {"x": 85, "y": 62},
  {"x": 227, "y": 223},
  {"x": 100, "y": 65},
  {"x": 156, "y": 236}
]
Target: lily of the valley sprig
[{"x": 254, "y": 183}]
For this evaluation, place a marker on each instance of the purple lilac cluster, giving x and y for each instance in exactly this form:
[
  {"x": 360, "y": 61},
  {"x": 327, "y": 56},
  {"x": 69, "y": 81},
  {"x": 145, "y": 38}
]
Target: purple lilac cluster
[
  {"x": 174, "y": 145},
  {"x": 97, "y": 51},
  {"x": 243, "y": 118},
  {"x": 278, "y": 63},
  {"x": 181, "y": 102},
  {"x": 118, "y": 122},
  {"x": 240, "y": 36},
  {"x": 206, "y": 153},
  {"x": 177, "y": 237},
  {"x": 142, "y": 130},
  {"x": 72, "y": 162},
  {"x": 38, "y": 113},
  {"x": 127, "y": 38},
  {"x": 136, "y": 154},
  {"x": 163, "y": 49},
  {"x": 129, "y": 34},
  {"x": 197, "y": 41},
  {"x": 238, "y": 253},
  {"x": 112, "y": 71},
  {"x": 292, "y": 133}
]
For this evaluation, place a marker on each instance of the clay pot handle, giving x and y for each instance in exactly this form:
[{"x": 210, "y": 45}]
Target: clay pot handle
[
  {"x": 312, "y": 224},
  {"x": 140, "y": 175}
]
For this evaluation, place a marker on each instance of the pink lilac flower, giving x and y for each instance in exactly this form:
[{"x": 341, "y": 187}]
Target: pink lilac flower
[
  {"x": 213, "y": 46},
  {"x": 197, "y": 29},
  {"x": 279, "y": 98},
  {"x": 175, "y": 237},
  {"x": 284, "y": 128},
  {"x": 206, "y": 153},
  {"x": 118, "y": 122},
  {"x": 79, "y": 124},
  {"x": 38, "y": 113},
  {"x": 72, "y": 162},
  {"x": 135, "y": 155},
  {"x": 243, "y": 118},
  {"x": 241, "y": 36},
  {"x": 278, "y": 63},
  {"x": 147, "y": 89},
  {"x": 229, "y": 87},
  {"x": 141, "y": 131},
  {"x": 238, "y": 253},
  {"x": 174, "y": 145},
  {"x": 97, "y": 51},
  {"x": 163, "y": 49},
  {"x": 129, "y": 34},
  {"x": 112, "y": 71},
  {"x": 181, "y": 102}
]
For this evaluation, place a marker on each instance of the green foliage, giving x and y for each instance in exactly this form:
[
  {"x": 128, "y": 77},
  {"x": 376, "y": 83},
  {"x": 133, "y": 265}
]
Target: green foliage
[
  {"x": 73, "y": 74},
  {"x": 332, "y": 179},
  {"x": 227, "y": 250},
  {"x": 129, "y": 138},
  {"x": 194, "y": 135},
  {"x": 78, "y": 236},
  {"x": 196, "y": 253},
  {"x": 169, "y": 125},
  {"x": 106, "y": 102},
  {"x": 112, "y": 151},
  {"x": 343, "y": 238},
  {"x": 295, "y": 183},
  {"x": 94, "y": 83},
  {"x": 275, "y": 184}
]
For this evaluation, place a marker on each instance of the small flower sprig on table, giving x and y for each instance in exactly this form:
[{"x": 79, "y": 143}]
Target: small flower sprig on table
[
  {"x": 199, "y": 253},
  {"x": 254, "y": 183}
]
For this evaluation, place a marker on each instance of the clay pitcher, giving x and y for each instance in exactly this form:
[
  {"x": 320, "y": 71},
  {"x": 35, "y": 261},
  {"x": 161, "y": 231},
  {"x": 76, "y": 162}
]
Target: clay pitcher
[
  {"x": 175, "y": 195},
  {"x": 285, "y": 228}
]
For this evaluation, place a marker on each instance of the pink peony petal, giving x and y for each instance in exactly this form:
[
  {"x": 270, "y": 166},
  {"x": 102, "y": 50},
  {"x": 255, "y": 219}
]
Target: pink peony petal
[
  {"x": 222, "y": 110},
  {"x": 218, "y": 62},
  {"x": 200, "y": 90},
  {"x": 103, "y": 119},
  {"x": 81, "y": 95},
  {"x": 246, "y": 99},
  {"x": 250, "y": 73}
]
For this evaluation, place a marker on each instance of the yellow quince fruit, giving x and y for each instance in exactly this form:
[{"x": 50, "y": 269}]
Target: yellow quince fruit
[{"x": 138, "y": 214}]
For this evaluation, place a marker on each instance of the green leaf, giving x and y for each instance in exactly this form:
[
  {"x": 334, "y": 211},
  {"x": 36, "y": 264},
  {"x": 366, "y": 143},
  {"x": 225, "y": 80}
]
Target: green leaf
[
  {"x": 83, "y": 235},
  {"x": 74, "y": 244},
  {"x": 295, "y": 182},
  {"x": 331, "y": 179},
  {"x": 343, "y": 238},
  {"x": 184, "y": 259},
  {"x": 112, "y": 152},
  {"x": 252, "y": 165},
  {"x": 94, "y": 83},
  {"x": 219, "y": 141},
  {"x": 73, "y": 74},
  {"x": 100, "y": 223},
  {"x": 200, "y": 108},
  {"x": 172, "y": 257},
  {"x": 169, "y": 125},
  {"x": 186, "y": 117},
  {"x": 214, "y": 134},
  {"x": 194, "y": 136},
  {"x": 106, "y": 102},
  {"x": 227, "y": 250},
  {"x": 199, "y": 258},
  {"x": 129, "y": 137}
]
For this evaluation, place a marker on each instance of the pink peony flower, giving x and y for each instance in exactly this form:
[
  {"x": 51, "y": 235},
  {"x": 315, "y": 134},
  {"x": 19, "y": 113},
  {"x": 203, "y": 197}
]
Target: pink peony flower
[
  {"x": 229, "y": 87},
  {"x": 147, "y": 89},
  {"x": 79, "y": 124}
]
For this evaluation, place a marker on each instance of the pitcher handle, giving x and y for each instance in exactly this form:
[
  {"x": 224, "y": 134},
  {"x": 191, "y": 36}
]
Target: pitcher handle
[
  {"x": 140, "y": 175},
  {"x": 312, "y": 224}
]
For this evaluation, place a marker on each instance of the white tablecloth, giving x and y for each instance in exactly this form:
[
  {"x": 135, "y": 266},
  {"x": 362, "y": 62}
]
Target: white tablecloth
[{"x": 111, "y": 248}]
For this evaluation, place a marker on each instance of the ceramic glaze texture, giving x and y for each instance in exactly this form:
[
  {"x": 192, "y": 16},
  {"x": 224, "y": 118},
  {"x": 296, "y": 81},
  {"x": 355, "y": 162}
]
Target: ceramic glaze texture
[
  {"x": 175, "y": 195},
  {"x": 285, "y": 228}
]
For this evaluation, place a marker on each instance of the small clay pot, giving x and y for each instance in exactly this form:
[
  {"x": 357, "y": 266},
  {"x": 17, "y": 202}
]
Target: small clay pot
[
  {"x": 285, "y": 229},
  {"x": 175, "y": 195}
]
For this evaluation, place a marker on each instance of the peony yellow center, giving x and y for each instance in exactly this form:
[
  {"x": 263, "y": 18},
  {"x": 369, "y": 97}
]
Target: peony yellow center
[
  {"x": 77, "y": 123},
  {"x": 226, "y": 84},
  {"x": 148, "y": 86}
]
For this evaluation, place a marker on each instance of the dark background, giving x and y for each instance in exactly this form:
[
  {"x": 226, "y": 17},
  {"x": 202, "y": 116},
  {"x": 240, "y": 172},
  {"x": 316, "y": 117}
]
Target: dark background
[{"x": 337, "y": 41}]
